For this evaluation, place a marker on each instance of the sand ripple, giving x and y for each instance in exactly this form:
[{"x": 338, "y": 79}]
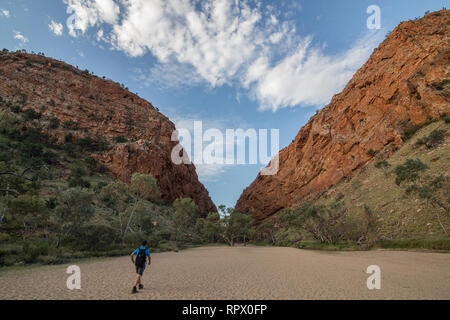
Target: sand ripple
[{"x": 243, "y": 273}]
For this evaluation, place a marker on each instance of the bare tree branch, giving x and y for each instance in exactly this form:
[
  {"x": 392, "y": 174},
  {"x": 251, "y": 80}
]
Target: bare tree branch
[
  {"x": 9, "y": 190},
  {"x": 16, "y": 175}
]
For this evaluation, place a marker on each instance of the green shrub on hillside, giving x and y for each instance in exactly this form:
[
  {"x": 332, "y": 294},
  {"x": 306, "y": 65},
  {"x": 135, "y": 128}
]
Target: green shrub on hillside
[
  {"x": 145, "y": 186},
  {"x": 134, "y": 239},
  {"x": 382, "y": 164},
  {"x": 441, "y": 85},
  {"x": 91, "y": 163},
  {"x": 432, "y": 189},
  {"x": 409, "y": 171},
  {"x": 78, "y": 182},
  {"x": 96, "y": 144},
  {"x": 411, "y": 131},
  {"x": 15, "y": 109},
  {"x": 184, "y": 218},
  {"x": 70, "y": 149},
  {"x": 435, "y": 138},
  {"x": 70, "y": 125},
  {"x": 73, "y": 210},
  {"x": 50, "y": 157},
  {"x": 24, "y": 213},
  {"x": 120, "y": 139},
  {"x": 325, "y": 224},
  {"x": 236, "y": 226},
  {"x": 30, "y": 150},
  {"x": 31, "y": 114},
  {"x": 211, "y": 227},
  {"x": 54, "y": 123},
  {"x": 33, "y": 248},
  {"x": 446, "y": 119},
  {"x": 51, "y": 218},
  {"x": 93, "y": 237}
]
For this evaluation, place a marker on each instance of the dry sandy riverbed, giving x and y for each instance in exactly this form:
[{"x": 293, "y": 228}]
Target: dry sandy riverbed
[{"x": 243, "y": 273}]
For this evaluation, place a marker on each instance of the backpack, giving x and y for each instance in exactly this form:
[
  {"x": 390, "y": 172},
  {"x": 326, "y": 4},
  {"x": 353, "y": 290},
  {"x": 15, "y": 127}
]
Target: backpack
[{"x": 141, "y": 258}]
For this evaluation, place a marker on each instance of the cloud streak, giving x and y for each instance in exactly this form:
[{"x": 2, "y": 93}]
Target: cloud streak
[
  {"x": 90, "y": 13},
  {"x": 4, "y": 12},
  {"x": 307, "y": 77},
  {"x": 217, "y": 42},
  {"x": 56, "y": 28},
  {"x": 19, "y": 36}
]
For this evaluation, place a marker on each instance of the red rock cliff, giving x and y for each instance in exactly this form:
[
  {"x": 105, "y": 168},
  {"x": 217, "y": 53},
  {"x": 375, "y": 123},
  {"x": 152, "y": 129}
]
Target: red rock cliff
[
  {"x": 405, "y": 82},
  {"x": 101, "y": 108}
]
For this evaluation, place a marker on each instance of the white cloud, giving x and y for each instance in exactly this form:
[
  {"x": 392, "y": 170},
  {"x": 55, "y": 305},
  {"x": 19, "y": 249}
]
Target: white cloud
[
  {"x": 20, "y": 37},
  {"x": 216, "y": 37},
  {"x": 100, "y": 34},
  {"x": 90, "y": 13},
  {"x": 56, "y": 28},
  {"x": 219, "y": 42},
  {"x": 168, "y": 76},
  {"x": 209, "y": 172},
  {"x": 4, "y": 12},
  {"x": 307, "y": 76}
]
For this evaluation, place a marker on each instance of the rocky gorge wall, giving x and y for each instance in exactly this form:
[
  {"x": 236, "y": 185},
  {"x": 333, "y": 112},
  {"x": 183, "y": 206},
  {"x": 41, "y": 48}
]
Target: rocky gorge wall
[
  {"x": 88, "y": 106},
  {"x": 404, "y": 83}
]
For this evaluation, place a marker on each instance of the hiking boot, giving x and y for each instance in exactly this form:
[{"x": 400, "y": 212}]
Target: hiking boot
[
  {"x": 141, "y": 286},
  {"x": 134, "y": 290}
]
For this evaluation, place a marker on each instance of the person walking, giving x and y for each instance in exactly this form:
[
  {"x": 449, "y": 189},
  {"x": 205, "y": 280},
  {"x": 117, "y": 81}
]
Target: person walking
[{"x": 141, "y": 254}]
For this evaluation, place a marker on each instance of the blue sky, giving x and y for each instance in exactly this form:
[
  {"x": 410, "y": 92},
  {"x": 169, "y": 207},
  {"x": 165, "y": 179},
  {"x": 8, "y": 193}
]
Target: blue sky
[{"x": 250, "y": 64}]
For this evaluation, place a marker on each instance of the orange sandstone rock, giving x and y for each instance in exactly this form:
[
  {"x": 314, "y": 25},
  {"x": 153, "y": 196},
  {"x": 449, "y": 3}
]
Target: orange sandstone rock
[
  {"x": 101, "y": 108},
  {"x": 402, "y": 84}
]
